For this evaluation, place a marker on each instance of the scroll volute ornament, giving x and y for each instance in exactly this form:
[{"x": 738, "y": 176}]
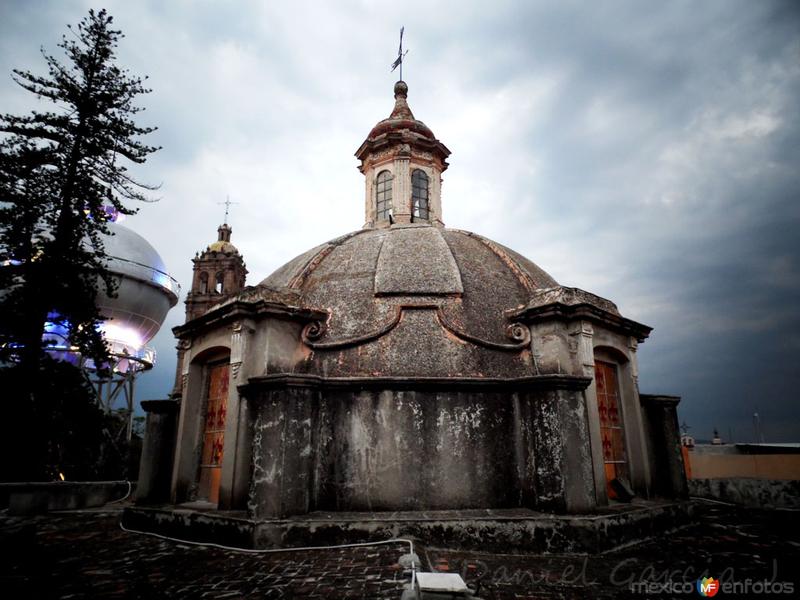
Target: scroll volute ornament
[{"x": 313, "y": 331}]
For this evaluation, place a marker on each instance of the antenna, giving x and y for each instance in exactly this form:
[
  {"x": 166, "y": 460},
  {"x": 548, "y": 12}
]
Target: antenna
[{"x": 757, "y": 427}]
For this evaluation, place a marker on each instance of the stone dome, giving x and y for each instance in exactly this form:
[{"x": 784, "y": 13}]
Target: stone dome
[
  {"x": 223, "y": 243},
  {"x": 222, "y": 246},
  {"x": 373, "y": 281}
]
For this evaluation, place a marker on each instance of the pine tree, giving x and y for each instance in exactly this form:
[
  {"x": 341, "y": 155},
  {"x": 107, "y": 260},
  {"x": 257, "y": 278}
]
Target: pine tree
[{"x": 58, "y": 172}]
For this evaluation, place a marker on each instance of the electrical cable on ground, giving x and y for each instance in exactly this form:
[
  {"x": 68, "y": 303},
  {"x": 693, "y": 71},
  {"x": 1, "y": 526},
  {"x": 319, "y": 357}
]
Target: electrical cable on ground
[
  {"x": 276, "y": 550},
  {"x": 125, "y": 497}
]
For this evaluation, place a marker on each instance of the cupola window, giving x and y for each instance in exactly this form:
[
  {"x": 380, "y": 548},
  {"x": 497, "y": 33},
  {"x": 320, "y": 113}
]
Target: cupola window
[
  {"x": 419, "y": 193},
  {"x": 383, "y": 195}
]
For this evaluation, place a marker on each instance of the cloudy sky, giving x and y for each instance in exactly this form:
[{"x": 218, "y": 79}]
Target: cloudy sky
[{"x": 648, "y": 152}]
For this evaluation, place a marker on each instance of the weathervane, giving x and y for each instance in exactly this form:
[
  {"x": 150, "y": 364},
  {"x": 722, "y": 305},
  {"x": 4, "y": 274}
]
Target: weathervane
[
  {"x": 400, "y": 54},
  {"x": 227, "y": 204}
]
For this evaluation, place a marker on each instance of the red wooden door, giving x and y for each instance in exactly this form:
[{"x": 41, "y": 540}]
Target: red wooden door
[
  {"x": 612, "y": 432},
  {"x": 214, "y": 432}
]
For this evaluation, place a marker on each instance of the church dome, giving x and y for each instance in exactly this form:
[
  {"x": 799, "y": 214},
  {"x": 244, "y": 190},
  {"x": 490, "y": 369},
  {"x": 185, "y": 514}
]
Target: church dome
[
  {"x": 222, "y": 246},
  {"x": 405, "y": 296},
  {"x": 378, "y": 284},
  {"x": 223, "y": 243}
]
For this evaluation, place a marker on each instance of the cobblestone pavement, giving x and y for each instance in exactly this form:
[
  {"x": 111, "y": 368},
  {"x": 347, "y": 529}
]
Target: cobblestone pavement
[{"x": 86, "y": 555}]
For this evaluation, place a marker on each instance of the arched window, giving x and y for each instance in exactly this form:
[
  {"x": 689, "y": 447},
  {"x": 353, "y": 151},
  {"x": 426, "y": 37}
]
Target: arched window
[
  {"x": 383, "y": 195},
  {"x": 220, "y": 278},
  {"x": 419, "y": 194},
  {"x": 203, "y": 282}
]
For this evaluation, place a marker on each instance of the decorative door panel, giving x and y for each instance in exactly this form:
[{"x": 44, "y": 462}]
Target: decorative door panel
[
  {"x": 214, "y": 432},
  {"x": 612, "y": 433}
]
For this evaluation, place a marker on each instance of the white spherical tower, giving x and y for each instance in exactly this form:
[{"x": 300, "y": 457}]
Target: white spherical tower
[{"x": 145, "y": 292}]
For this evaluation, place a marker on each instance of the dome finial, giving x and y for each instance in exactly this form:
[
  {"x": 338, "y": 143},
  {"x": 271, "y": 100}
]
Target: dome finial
[{"x": 401, "y": 109}]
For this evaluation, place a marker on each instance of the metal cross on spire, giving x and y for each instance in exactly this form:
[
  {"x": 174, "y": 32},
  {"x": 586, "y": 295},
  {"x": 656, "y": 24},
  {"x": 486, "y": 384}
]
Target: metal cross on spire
[
  {"x": 400, "y": 54},
  {"x": 227, "y": 204}
]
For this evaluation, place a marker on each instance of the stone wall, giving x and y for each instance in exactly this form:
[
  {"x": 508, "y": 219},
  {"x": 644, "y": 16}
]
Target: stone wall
[
  {"x": 158, "y": 451},
  {"x": 25, "y": 498},
  {"x": 760, "y": 493},
  {"x": 664, "y": 445},
  {"x": 319, "y": 446}
]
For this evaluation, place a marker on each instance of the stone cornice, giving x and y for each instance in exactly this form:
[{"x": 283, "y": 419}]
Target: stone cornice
[
  {"x": 398, "y": 138},
  {"x": 533, "y": 383},
  {"x": 253, "y": 302},
  {"x": 570, "y": 304},
  {"x": 659, "y": 399}
]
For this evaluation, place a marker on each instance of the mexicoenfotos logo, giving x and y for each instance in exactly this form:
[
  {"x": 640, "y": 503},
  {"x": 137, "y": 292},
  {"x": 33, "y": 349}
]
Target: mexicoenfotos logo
[{"x": 708, "y": 587}]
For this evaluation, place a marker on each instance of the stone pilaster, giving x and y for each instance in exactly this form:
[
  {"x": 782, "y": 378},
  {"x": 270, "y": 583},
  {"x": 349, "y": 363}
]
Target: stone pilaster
[
  {"x": 583, "y": 336},
  {"x": 633, "y": 346},
  {"x": 401, "y": 186},
  {"x": 436, "y": 198},
  {"x": 369, "y": 199},
  {"x": 158, "y": 448},
  {"x": 664, "y": 441},
  {"x": 233, "y": 452}
]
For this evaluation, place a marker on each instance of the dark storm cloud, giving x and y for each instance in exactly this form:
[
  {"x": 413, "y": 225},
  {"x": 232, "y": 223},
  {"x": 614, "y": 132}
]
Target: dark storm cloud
[{"x": 671, "y": 157}]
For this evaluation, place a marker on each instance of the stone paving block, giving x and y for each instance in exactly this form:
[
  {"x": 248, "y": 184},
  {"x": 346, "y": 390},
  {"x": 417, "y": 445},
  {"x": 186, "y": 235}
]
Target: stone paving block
[{"x": 51, "y": 556}]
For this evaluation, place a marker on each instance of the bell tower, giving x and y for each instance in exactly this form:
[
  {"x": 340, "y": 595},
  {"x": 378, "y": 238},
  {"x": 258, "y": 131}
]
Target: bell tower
[
  {"x": 402, "y": 162},
  {"x": 219, "y": 272}
]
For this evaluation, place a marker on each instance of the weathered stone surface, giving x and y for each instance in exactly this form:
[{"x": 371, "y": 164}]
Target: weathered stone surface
[
  {"x": 572, "y": 304},
  {"x": 759, "y": 493},
  {"x": 664, "y": 445},
  {"x": 158, "y": 450},
  {"x": 415, "y": 260},
  {"x": 410, "y": 366},
  {"x": 87, "y": 555},
  {"x": 364, "y": 278},
  {"x": 571, "y": 297},
  {"x": 323, "y": 447},
  {"x": 497, "y": 530},
  {"x": 33, "y": 497}
]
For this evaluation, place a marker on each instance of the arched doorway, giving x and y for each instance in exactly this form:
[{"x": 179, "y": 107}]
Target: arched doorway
[
  {"x": 216, "y": 402},
  {"x": 612, "y": 431}
]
